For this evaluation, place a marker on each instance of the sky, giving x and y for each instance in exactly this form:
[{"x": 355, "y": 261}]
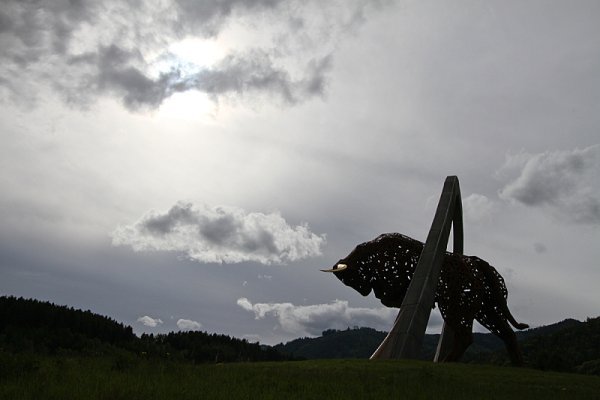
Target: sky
[{"x": 181, "y": 165}]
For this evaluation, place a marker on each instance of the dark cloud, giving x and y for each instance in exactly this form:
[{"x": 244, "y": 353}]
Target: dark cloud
[
  {"x": 115, "y": 74},
  {"x": 540, "y": 248},
  {"x": 33, "y": 29},
  {"x": 564, "y": 181},
  {"x": 221, "y": 234},
  {"x": 165, "y": 223},
  {"x": 87, "y": 49},
  {"x": 114, "y": 70},
  {"x": 255, "y": 72},
  {"x": 207, "y": 17}
]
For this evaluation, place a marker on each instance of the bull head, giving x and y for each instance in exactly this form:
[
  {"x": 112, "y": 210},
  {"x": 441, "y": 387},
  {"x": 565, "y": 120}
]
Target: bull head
[{"x": 384, "y": 265}]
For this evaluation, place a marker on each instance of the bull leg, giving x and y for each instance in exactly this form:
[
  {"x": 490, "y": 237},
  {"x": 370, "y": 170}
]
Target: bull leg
[
  {"x": 463, "y": 338},
  {"x": 512, "y": 346},
  {"x": 500, "y": 327}
]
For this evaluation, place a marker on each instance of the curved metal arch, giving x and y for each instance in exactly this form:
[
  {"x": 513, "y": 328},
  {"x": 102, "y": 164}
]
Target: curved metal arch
[{"x": 406, "y": 336}]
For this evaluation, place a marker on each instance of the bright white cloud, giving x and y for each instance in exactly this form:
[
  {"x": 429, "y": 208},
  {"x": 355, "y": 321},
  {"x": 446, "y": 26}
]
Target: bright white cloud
[
  {"x": 188, "y": 325},
  {"x": 477, "y": 207},
  {"x": 566, "y": 182},
  {"x": 149, "y": 321},
  {"x": 221, "y": 235},
  {"x": 314, "y": 319}
]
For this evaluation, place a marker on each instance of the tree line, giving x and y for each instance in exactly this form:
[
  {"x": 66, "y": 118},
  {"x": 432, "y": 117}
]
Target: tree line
[
  {"x": 28, "y": 325},
  {"x": 567, "y": 346},
  {"x": 33, "y": 326}
]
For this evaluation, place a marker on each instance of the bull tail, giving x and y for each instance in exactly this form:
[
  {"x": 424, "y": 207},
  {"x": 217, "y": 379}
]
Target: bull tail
[
  {"x": 507, "y": 314},
  {"x": 512, "y": 320},
  {"x": 499, "y": 287}
]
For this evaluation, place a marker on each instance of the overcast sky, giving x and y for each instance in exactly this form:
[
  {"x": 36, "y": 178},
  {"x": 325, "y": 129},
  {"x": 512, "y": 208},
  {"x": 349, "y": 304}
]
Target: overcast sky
[{"x": 186, "y": 165}]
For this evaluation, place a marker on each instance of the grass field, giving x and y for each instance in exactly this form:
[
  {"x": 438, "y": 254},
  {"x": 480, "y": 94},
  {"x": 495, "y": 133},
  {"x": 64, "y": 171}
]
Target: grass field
[{"x": 117, "y": 378}]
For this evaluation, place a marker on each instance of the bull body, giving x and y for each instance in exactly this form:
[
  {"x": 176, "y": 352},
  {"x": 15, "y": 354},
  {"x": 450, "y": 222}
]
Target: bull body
[{"x": 468, "y": 289}]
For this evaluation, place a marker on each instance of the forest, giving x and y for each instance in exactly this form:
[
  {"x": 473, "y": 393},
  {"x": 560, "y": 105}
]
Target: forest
[
  {"x": 29, "y": 326},
  {"x": 33, "y": 326},
  {"x": 567, "y": 346}
]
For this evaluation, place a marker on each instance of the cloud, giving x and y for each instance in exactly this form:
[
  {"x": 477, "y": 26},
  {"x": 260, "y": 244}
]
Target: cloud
[
  {"x": 255, "y": 72},
  {"x": 252, "y": 338},
  {"x": 540, "y": 248},
  {"x": 87, "y": 49},
  {"x": 149, "y": 321},
  {"x": 221, "y": 235},
  {"x": 566, "y": 182},
  {"x": 120, "y": 72},
  {"x": 314, "y": 319},
  {"x": 209, "y": 16},
  {"x": 477, "y": 207},
  {"x": 188, "y": 325}
]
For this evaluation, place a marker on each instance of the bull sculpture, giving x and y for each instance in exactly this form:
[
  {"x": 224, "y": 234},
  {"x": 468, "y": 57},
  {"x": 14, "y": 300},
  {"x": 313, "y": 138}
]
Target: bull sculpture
[{"x": 468, "y": 289}]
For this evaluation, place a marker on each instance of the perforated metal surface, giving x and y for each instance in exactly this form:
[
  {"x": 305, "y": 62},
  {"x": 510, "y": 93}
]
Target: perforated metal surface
[{"x": 468, "y": 288}]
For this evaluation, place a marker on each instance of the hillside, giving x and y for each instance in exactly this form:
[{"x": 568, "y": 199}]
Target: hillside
[
  {"x": 569, "y": 346},
  {"x": 576, "y": 348},
  {"x": 33, "y": 326},
  {"x": 362, "y": 342},
  {"x": 351, "y": 343},
  {"x": 42, "y": 328}
]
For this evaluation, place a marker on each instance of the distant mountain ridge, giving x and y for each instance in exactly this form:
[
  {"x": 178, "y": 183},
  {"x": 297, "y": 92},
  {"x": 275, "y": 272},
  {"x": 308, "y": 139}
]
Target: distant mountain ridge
[
  {"x": 44, "y": 328},
  {"x": 569, "y": 345},
  {"x": 350, "y": 343}
]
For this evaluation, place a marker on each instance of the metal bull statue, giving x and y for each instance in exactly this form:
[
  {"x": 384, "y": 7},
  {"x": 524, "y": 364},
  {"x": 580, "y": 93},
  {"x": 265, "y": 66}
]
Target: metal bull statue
[{"x": 468, "y": 288}]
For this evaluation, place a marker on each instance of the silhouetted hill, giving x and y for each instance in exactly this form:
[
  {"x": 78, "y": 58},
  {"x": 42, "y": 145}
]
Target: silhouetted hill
[
  {"x": 487, "y": 347},
  {"x": 44, "y": 328},
  {"x": 569, "y": 345},
  {"x": 362, "y": 342},
  {"x": 576, "y": 348},
  {"x": 351, "y": 343}
]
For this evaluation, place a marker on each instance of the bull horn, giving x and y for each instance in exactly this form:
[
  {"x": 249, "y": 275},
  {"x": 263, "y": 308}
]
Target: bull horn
[{"x": 337, "y": 268}]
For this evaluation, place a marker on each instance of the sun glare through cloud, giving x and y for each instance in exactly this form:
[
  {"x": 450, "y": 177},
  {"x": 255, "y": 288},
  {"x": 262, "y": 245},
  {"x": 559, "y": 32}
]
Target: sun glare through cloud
[
  {"x": 189, "y": 56},
  {"x": 187, "y": 106},
  {"x": 198, "y": 51}
]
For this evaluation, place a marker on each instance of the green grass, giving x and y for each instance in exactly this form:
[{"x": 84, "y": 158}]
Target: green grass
[{"x": 116, "y": 377}]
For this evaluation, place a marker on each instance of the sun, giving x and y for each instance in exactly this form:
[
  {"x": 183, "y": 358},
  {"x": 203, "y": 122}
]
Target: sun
[
  {"x": 200, "y": 52},
  {"x": 189, "y": 55}
]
